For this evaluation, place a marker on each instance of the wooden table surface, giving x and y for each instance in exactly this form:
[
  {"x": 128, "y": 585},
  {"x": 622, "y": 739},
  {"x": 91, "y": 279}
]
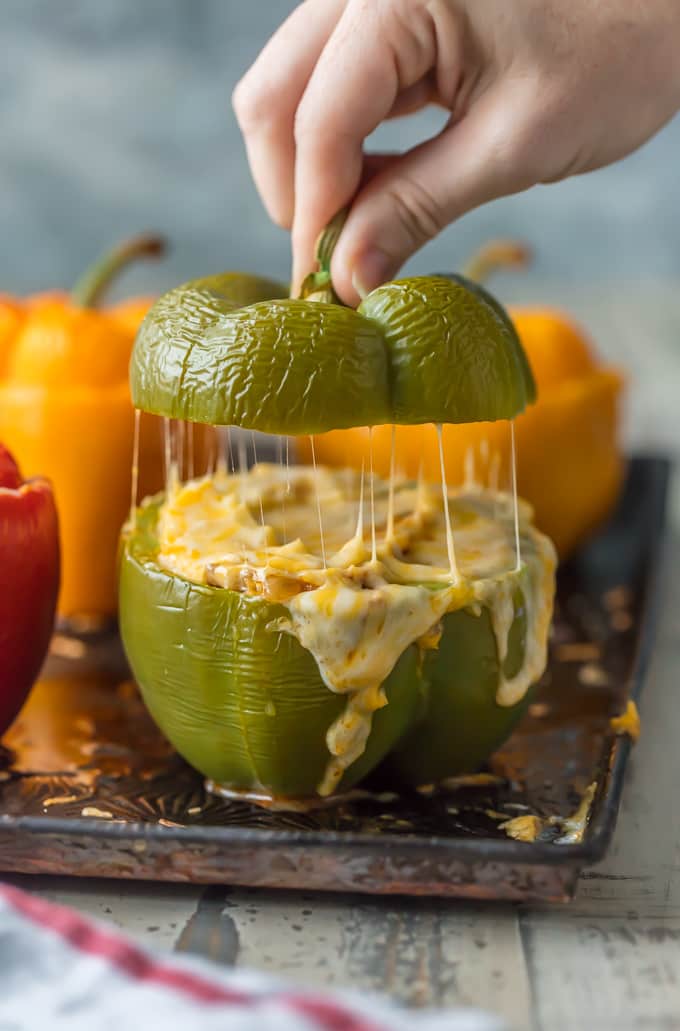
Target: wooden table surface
[{"x": 608, "y": 960}]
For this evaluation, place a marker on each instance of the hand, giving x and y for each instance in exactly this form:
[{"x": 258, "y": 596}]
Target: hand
[{"x": 537, "y": 90}]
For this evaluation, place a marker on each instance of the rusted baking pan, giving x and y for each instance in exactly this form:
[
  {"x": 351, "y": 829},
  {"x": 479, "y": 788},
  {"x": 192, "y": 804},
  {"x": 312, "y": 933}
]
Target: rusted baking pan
[{"x": 89, "y": 787}]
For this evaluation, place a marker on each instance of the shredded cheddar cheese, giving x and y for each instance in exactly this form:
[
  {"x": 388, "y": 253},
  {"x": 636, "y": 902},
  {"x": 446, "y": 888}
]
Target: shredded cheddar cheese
[
  {"x": 523, "y": 828},
  {"x": 571, "y": 828},
  {"x": 628, "y": 722},
  {"x": 257, "y": 533}
]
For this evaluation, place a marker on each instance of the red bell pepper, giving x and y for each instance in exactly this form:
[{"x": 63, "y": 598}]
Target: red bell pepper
[{"x": 29, "y": 582}]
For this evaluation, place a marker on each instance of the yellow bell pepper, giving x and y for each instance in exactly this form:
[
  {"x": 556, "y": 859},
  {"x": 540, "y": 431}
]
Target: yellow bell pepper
[{"x": 65, "y": 412}]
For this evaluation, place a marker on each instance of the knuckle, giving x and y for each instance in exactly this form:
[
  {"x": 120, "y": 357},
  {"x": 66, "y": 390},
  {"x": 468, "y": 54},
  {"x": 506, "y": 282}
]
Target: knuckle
[
  {"x": 526, "y": 136},
  {"x": 241, "y": 101},
  {"x": 512, "y": 155},
  {"x": 252, "y": 103},
  {"x": 280, "y": 212},
  {"x": 419, "y": 211},
  {"x": 305, "y": 124},
  {"x": 509, "y": 157}
]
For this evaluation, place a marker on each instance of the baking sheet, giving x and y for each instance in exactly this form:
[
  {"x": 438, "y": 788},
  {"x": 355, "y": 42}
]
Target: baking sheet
[{"x": 89, "y": 787}]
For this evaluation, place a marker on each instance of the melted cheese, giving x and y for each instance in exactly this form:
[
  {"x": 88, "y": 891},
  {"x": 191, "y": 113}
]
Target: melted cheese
[
  {"x": 355, "y": 611},
  {"x": 628, "y": 722},
  {"x": 523, "y": 828},
  {"x": 571, "y": 828}
]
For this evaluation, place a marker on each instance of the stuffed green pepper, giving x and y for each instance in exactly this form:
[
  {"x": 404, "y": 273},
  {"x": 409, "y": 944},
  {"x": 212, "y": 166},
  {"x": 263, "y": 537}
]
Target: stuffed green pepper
[
  {"x": 286, "y": 659},
  {"x": 287, "y": 635}
]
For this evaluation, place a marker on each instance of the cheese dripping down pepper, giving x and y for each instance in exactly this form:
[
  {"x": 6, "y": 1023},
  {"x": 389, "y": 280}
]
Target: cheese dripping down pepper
[{"x": 252, "y": 532}]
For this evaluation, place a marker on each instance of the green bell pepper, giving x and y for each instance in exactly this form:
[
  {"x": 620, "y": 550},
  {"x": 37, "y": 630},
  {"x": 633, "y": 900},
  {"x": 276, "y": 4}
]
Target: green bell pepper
[
  {"x": 233, "y": 350},
  {"x": 245, "y": 703},
  {"x": 238, "y": 696},
  {"x": 461, "y": 724}
]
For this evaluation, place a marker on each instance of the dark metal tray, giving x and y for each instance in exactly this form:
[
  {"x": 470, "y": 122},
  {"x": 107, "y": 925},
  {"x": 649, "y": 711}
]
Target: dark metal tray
[{"x": 89, "y": 787}]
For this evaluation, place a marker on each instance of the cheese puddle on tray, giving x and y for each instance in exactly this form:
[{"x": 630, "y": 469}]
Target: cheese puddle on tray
[{"x": 356, "y": 611}]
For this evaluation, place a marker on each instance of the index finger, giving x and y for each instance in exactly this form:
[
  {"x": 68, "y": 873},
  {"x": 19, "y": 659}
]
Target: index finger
[
  {"x": 267, "y": 97},
  {"x": 364, "y": 65}
]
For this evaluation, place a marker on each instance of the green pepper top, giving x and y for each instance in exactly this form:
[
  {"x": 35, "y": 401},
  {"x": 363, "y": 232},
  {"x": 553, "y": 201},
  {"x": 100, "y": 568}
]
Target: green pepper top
[{"x": 232, "y": 349}]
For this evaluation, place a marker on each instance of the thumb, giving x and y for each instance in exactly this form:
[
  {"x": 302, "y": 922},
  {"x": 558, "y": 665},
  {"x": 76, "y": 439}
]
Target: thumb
[{"x": 418, "y": 194}]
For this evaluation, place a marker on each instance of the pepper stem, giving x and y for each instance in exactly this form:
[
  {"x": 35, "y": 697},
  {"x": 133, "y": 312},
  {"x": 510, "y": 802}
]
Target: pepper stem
[
  {"x": 96, "y": 280},
  {"x": 318, "y": 286},
  {"x": 497, "y": 254}
]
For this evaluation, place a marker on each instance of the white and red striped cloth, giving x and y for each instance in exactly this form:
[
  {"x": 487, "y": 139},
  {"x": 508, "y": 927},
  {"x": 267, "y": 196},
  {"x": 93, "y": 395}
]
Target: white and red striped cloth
[{"x": 61, "y": 972}]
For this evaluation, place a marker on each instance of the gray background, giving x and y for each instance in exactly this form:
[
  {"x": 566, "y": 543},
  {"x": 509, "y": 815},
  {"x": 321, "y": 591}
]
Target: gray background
[{"x": 115, "y": 116}]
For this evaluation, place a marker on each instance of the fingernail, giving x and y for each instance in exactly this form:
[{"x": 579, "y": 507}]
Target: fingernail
[{"x": 371, "y": 270}]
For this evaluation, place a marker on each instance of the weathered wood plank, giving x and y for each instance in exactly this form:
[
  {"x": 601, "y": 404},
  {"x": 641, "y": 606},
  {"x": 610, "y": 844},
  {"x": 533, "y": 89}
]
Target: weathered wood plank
[
  {"x": 605, "y": 974},
  {"x": 424, "y": 952},
  {"x": 612, "y": 960},
  {"x": 153, "y": 914},
  {"x": 641, "y": 873}
]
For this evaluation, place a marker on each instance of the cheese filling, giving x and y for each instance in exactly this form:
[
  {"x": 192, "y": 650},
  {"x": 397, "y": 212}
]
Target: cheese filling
[{"x": 257, "y": 532}]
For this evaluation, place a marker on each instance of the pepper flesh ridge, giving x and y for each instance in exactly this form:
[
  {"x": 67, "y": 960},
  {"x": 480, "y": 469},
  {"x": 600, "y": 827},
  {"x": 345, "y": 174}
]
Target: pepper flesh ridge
[{"x": 232, "y": 350}]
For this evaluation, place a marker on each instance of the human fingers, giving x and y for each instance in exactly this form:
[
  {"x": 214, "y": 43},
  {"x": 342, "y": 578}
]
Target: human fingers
[
  {"x": 267, "y": 97},
  {"x": 378, "y": 50},
  {"x": 416, "y": 195}
]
